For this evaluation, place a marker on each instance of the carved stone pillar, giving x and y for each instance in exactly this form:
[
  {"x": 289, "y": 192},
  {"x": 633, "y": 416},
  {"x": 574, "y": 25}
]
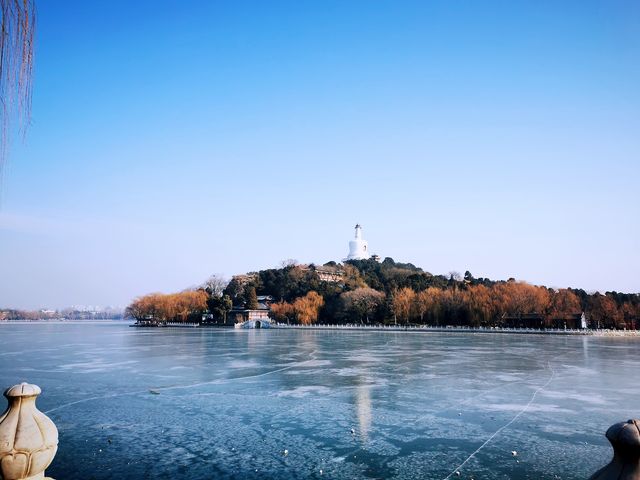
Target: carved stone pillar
[{"x": 28, "y": 438}]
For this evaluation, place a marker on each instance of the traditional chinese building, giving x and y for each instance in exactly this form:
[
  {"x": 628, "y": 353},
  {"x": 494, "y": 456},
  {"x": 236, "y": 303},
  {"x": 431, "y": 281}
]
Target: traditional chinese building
[{"x": 240, "y": 314}]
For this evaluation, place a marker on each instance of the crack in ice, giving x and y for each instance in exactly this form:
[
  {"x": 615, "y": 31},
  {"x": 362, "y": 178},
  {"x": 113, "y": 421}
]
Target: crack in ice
[
  {"x": 497, "y": 432},
  {"x": 175, "y": 387}
]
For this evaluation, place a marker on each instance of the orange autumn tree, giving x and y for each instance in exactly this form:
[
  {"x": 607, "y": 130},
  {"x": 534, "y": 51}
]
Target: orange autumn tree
[
  {"x": 172, "y": 307},
  {"x": 520, "y": 298},
  {"x": 428, "y": 304},
  {"x": 479, "y": 301},
  {"x": 189, "y": 303},
  {"x": 307, "y": 308},
  {"x": 281, "y": 312},
  {"x": 403, "y": 304},
  {"x": 304, "y": 310},
  {"x": 604, "y": 312},
  {"x": 563, "y": 302}
]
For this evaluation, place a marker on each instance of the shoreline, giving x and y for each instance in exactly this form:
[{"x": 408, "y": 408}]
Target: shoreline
[
  {"x": 418, "y": 329},
  {"x": 354, "y": 327},
  {"x": 453, "y": 329},
  {"x": 42, "y": 321}
]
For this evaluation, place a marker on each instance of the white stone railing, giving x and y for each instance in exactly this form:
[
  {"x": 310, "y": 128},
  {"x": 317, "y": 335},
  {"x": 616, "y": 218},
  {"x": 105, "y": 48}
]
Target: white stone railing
[
  {"x": 460, "y": 328},
  {"x": 625, "y": 465},
  {"x": 28, "y": 438},
  {"x": 154, "y": 323}
]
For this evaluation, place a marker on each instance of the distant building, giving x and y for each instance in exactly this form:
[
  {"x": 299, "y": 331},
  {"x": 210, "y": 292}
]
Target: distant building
[
  {"x": 329, "y": 275},
  {"x": 242, "y": 280},
  {"x": 571, "y": 320},
  {"x": 359, "y": 247},
  {"x": 538, "y": 321},
  {"x": 245, "y": 315},
  {"x": 325, "y": 273},
  {"x": 525, "y": 320},
  {"x": 241, "y": 314}
]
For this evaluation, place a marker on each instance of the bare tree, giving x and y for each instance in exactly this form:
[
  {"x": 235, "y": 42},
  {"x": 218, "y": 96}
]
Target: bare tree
[
  {"x": 289, "y": 262},
  {"x": 362, "y": 302},
  {"x": 215, "y": 285},
  {"x": 17, "y": 27},
  {"x": 453, "y": 275}
]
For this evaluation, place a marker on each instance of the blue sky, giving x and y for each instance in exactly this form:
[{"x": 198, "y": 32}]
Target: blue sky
[{"x": 172, "y": 140}]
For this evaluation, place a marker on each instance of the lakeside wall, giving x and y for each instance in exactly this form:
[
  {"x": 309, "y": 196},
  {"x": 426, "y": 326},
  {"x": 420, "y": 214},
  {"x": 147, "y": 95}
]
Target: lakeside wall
[
  {"x": 418, "y": 329},
  {"x": 457, "y": 329}
]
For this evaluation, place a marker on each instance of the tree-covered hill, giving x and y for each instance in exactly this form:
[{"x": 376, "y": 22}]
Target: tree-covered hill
[{"x": 367, "y": 291}]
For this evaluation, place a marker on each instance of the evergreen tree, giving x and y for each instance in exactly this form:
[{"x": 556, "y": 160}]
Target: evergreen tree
[{"x": 251, "y": 299}]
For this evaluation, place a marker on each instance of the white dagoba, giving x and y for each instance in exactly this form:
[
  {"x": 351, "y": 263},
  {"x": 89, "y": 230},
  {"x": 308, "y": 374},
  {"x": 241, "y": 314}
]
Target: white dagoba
[{"x": 358, "y": 248}]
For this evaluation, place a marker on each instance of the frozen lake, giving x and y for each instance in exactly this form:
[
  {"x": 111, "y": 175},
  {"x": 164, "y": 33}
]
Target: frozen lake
[{"x": 344, "y": 404}]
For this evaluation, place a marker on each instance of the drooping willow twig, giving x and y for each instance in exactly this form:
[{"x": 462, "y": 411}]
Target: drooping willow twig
[{"x": 17, "y": 28}]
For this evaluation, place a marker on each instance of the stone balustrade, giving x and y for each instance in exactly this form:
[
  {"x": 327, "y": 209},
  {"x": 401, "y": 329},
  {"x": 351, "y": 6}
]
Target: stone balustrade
[
  {"x": 28, "y": 438},
  {"x": 625, "y": 465},
  {"x": 29, "y": 441}
]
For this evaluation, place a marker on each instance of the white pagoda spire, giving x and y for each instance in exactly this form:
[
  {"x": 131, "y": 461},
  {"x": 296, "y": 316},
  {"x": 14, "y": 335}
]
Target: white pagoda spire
[{"x": 358, "y": 248}]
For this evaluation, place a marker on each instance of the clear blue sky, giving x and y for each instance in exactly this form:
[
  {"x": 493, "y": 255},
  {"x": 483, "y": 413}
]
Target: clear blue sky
[{"x": 173, "y": 140}]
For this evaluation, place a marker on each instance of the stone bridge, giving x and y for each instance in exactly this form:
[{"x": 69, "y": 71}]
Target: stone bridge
[{"x": 262, "y": 323}]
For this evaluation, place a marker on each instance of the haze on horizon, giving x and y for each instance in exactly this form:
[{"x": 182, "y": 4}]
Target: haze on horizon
[{"x": 170, "y": 141}]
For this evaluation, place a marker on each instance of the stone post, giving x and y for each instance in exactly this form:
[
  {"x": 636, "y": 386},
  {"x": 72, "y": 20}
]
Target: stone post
[
  {"x": 625, "y": 440},
  {"x": 28, "y": 438}
]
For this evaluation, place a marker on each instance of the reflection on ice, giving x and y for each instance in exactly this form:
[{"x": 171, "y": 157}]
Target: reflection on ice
[
  {"x": 242, "y": 364},
  {"x": 363, "y": 407},
  {"x": 304, "y": 391}
]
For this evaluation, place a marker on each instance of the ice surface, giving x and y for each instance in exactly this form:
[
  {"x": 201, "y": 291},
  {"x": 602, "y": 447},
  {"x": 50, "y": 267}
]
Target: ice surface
[{"x": 353, "y": 404}]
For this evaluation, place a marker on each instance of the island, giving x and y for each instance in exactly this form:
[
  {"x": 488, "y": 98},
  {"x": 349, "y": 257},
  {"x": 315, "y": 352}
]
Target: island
[{"x": 365, "y": 290}]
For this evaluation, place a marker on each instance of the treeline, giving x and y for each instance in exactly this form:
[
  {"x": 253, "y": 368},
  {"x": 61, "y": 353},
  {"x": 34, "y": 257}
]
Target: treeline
[
  {"x": 370, "y": 292},
  {"x": 508, "y": 304},
  {"x": 66, "y": 314}
]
